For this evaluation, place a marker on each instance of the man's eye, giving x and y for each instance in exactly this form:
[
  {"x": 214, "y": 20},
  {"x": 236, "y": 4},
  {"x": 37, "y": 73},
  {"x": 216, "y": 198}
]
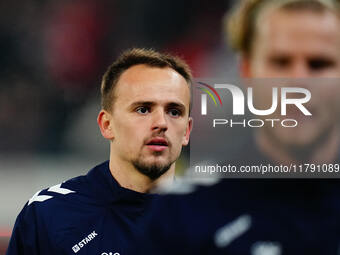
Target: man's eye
[
  {"x": 318, "y": 64},
  {"x": 174, "y": 112},
  {"x": 280, "y": 62},
  {"x": 142, "y": 110}
]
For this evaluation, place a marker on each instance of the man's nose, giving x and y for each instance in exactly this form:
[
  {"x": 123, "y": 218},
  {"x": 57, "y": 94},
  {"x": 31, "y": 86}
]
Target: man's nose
[
  {"x": 159, "y": 120},
  {"x": 300, "y": 69}
]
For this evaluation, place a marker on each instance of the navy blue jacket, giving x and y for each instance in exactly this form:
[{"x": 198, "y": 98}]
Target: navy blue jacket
[
  {"x": 88, "y": 214},
  {"x": 256, "y": 217}
]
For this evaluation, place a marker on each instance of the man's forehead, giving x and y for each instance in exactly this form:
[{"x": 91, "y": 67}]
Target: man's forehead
[
  {"x": 280, "y": 17},
  {"x": 286, "y": 27},
  {"x": 141, "y": 73},
  {"x": 158, "y": 85}
]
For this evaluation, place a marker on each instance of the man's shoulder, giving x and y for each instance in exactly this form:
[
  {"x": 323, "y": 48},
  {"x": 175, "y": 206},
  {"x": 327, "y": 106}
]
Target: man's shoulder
[
  {"x": 64, "y": 198},
  {"x": 69, "y": 214},
  {"x": 54, "y": 200}
]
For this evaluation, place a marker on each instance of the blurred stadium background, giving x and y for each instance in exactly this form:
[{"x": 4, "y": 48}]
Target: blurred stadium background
[{"x": 53, "y": 54}]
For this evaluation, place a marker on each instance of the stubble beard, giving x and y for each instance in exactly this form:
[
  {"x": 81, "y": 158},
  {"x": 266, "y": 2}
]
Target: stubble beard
[
  {"x": 151, "y": 170},
  {"x": 302, "y": 153}
]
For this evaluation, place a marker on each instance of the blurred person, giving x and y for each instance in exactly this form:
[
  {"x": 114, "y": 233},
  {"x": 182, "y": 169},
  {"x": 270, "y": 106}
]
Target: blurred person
[
  {"x": 145, "y": 116},
  {"x": 285, "y": 39},
  {"x": 299, "y": 40}
]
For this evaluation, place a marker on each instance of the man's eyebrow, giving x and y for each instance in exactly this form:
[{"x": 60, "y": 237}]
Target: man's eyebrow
[
  {"x": 176, "y": 105},
  {"x": 142, "y": 103},
  {"x": 149, "y": 104}
]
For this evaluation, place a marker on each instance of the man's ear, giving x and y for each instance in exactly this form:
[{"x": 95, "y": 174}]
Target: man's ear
[
  {"x": 186, "y": 136},
  {"x": 104, "y": 121}
]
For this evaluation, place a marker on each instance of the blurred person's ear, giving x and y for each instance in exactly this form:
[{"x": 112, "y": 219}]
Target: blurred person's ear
[
  {"x": 104, "y": 121},
  {"x": 245, "y": 67}
]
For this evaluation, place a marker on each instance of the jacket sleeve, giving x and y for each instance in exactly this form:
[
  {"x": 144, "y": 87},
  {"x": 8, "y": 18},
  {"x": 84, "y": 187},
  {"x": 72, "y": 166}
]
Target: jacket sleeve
[{"x": 25, "y": 238}]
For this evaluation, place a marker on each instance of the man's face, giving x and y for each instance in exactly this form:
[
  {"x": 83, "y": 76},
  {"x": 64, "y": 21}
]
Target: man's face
[
  {"x": 150, "y": 118},
  {"x": 298, "y": 44}
]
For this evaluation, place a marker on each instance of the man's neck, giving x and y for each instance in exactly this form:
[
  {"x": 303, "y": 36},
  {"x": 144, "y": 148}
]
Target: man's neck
[
  {"x": 130, "y": 178},
  {"x": 324, "y": 152}
]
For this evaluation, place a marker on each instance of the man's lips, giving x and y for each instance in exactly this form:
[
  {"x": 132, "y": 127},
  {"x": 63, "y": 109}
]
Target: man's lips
[{"x": 157, "y": 144}]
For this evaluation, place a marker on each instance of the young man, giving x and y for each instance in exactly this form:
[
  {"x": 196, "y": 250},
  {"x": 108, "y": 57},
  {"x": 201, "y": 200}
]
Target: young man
[
  {"x": 277, "y": 38},
  {"x": 145, "y": 116}
]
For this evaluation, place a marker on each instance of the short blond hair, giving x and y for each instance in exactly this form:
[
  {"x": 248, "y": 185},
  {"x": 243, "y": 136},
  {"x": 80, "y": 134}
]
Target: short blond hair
[{"x": 240, "y": 23}]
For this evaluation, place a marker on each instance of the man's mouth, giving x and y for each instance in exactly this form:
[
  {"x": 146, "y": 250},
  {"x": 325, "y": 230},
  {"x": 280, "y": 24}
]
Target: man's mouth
[
  {"x": 157, "y": 144},
  {"x": 299, "y": 116}
]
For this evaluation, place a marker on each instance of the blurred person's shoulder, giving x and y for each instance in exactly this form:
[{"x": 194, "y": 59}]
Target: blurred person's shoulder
[{"x": 201, "y": 202}]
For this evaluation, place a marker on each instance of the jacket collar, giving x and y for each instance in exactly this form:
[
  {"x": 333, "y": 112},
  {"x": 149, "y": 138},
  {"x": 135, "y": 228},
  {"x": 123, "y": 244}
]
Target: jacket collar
[{"x": 107, "y": 189}]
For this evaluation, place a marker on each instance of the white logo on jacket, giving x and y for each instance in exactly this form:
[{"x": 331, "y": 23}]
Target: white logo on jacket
[
  {"x": 56, "y": 189},
  {"x": 266, "y": 248},
  {"x": 84, "y": 242},
  {"x": 228, "y": 233}
]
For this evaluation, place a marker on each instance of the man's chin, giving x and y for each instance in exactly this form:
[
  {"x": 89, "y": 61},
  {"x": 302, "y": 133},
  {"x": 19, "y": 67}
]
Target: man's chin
[
  {"x": 298, "y": 139},
  {"x": 153, "y": 170},
  {"x": 300, "y": 145}
]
